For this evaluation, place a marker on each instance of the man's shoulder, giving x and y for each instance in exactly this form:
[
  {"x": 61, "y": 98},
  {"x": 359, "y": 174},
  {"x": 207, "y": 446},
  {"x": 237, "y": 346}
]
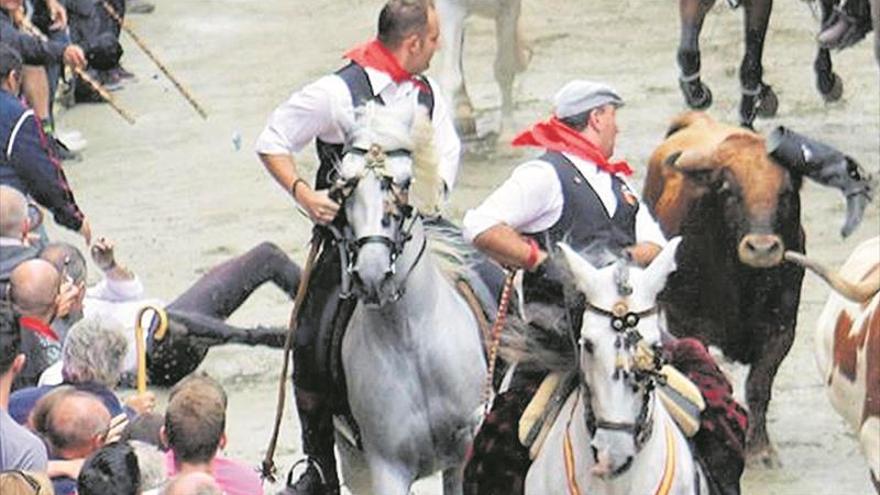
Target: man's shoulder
[
  {"x": 20, "y": 448},
  {"x": 23, "y": 400},
  {"x": 236, "y": 477}
]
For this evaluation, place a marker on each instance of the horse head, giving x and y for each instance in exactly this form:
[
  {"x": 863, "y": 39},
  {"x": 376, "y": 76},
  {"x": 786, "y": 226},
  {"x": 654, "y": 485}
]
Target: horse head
[
  {"x": 374, "y": 179},
  {"x": 620, "y": 319}
]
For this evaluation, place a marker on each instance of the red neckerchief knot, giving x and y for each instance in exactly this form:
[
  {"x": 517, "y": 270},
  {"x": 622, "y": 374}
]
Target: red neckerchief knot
[
  {"x": 554, "y": 135},
  {"x": 376, "y": 55},
  {"x": 38, "y": 327}
]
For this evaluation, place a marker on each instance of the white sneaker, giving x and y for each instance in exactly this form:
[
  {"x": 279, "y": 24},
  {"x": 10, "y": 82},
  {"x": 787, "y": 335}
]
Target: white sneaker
[{"x": 73, "y": 139}]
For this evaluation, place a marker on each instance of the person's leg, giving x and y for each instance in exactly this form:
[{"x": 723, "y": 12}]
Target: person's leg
[
  {"x": 721, "y": 440},
  {"x": 225, "y": 287}
]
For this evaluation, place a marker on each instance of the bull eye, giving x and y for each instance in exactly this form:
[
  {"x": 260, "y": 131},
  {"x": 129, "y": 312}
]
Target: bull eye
[{"x": 853, "y": 171}]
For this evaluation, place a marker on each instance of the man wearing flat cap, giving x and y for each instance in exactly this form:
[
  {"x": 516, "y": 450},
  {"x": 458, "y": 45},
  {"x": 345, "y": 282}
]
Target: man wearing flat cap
[{"x": 573, "y": 192}]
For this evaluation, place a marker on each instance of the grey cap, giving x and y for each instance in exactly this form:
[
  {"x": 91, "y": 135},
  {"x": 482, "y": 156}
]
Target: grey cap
[{"x": 580, "y": 95}]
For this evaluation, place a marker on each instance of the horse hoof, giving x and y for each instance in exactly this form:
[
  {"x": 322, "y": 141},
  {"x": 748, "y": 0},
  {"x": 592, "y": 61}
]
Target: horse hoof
[
  {"x": 768, "y": 103},
  {"x": 697, "y": 95},
  {"x": 834, "y": 92},
  {"x": 765, "y": 458}
]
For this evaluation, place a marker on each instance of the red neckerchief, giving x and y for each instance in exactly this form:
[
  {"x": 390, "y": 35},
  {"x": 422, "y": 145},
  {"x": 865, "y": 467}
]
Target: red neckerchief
[
  {"x": 553, "y": 135},
  {"x": 376, "y": 55},
  {"x": 38, "y": 327}
]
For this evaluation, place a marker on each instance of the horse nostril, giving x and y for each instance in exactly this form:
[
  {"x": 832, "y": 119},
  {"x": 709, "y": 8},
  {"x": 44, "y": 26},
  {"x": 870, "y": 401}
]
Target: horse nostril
[{"x": 595, "y": 453}]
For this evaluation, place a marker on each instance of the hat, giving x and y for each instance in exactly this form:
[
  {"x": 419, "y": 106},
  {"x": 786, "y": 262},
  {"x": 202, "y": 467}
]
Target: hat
[{"x": 579, "y": 95}]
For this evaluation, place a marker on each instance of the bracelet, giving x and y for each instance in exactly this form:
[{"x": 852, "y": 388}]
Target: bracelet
[
  {"x": 532, "y": 260},
  {"x": 293, "y": 187}
]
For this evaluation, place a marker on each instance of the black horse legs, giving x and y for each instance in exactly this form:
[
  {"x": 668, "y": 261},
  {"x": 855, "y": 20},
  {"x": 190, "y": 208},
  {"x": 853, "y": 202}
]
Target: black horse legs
[
  {"x": 692, "y": 12},
  {"x": 828, "y": 83},
  {"x": 758, "y": 98}
]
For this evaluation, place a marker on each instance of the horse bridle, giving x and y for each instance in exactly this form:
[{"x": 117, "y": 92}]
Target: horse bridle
[
  {"x": 645, "y": 375},
  {"x": 397, "y": 209}
]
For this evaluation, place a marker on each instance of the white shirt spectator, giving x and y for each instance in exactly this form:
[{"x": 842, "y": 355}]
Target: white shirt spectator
[
  {"x": 309, "y": 114},
  {"x": 531, "y": 201}
]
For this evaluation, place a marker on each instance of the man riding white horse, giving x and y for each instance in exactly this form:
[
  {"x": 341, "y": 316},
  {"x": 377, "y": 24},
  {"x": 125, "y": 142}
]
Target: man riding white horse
[
  {"x": 386, "y": 69},
  {"x": 573, "y": 193}
]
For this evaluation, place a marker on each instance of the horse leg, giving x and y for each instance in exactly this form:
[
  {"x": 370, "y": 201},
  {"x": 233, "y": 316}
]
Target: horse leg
[
  {"x": 511, "y": 57},
  {"x": 828, "y": 83},
  {"x": 875, "y": 21},
  {"x": 758, "y": 98},
  {"x": 759, "y": 385},
  {"x": 452, "y": 480},
  {"x": 453, "y": 14},
  {"x": 692, "y": 12},
  {"x": 387, "y": 477}
]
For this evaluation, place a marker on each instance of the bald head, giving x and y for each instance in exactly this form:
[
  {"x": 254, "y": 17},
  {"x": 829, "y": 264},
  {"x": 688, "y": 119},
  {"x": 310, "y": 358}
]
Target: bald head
[
  {"x": 34, "y": 286},
  {"x": 196, "y": 483},
  {"x": 13, "y": 212},
  {"x": 77, "y": 424}
]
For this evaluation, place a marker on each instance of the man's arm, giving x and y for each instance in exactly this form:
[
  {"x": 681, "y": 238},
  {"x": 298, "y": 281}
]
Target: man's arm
[
  {"x": 321, "y": 209},
  {"x": 44, "y": 176},
  {"x": 649, "y": 237},
  {"x": 446, "y": 140},
  {"x": 508, "y": 247}
]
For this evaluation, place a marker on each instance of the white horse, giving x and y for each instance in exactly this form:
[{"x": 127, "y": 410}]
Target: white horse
[
  {"x": 512, "y": 56},
  {"x": 614, "y": 436},
  {"x": 412, "y": 354}
]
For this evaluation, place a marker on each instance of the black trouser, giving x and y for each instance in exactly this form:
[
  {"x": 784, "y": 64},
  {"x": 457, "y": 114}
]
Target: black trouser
[{"x": 203, "y": 308}]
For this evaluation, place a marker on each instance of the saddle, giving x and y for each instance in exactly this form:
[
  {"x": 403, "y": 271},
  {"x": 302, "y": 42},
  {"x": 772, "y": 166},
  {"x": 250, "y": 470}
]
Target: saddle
[{"x": 679, "y": 395}]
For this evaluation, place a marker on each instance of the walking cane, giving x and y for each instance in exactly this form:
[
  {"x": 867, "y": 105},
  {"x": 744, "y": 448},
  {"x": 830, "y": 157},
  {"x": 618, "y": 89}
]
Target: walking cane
[
  {"x": 268, "y": 468},
  {"x": 139, "y": 42},
  {"x": 140, "y": 342}
]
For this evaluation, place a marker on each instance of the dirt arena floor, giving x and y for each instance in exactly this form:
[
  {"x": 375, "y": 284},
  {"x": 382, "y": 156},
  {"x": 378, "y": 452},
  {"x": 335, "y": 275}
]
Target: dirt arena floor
[{"x": 177, "y": 194}]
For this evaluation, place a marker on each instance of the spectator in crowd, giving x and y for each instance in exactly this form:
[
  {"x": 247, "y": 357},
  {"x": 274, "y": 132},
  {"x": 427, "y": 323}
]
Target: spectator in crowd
[
  {"x": 91, "y": 362},
  {"x": 26, "y": 162},
  {"x": 151, "y": 462},
  {"x": 70, "y": 262},
  {"x": 18, "y": 482},
  {"x": 19, "y": 448},
  {"x": 34, "y": 287},
  {"x": 14, "y": 233},
  {"x": 112, "y": 469},
  {"x": 196, "y": 483},
  {"x": 76, "y": 426},
  {"x": 195, "y": 429}
]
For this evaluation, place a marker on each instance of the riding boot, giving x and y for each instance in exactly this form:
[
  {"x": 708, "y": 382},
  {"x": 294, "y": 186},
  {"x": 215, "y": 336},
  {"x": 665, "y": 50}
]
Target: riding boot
[{"x": 316, "y": 421}]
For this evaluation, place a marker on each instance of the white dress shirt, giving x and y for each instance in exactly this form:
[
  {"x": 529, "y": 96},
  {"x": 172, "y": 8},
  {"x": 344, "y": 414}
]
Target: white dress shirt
[
  {"x": 309, "y": 114},
  {"x": 531, "y": 201}
]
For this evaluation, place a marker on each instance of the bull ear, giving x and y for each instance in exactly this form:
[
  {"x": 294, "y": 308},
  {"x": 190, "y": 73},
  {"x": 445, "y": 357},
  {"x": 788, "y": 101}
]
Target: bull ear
[
  {"x": 659, "y": 269},
  {"x": 585, "y": 275}
]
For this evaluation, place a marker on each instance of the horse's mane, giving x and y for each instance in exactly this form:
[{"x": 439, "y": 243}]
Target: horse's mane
[
  {"x": 427, "y": 186},
  {"x": 455, "y": 257}
]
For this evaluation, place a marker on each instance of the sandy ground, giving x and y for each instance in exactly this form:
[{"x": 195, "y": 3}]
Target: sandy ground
[{"x": 178, "y": 197}]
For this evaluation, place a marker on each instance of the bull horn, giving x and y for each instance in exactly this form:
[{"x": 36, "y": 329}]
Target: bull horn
[
  {"x": 860, "y": 292},
  {"x": 689, "y": 159}
]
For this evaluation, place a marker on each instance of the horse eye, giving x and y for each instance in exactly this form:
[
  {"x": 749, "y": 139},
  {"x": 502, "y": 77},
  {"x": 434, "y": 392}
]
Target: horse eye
[{"x": 587, "y": 345}]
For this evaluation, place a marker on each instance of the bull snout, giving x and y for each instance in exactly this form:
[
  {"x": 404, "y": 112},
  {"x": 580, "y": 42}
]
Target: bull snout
[
  {"x": 373, "y": 272},
  {"x": 761, "y": 250}
]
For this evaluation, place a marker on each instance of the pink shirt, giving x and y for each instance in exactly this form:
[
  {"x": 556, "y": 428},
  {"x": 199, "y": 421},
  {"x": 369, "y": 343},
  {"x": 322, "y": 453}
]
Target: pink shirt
[{"x": 233, "y": 477}]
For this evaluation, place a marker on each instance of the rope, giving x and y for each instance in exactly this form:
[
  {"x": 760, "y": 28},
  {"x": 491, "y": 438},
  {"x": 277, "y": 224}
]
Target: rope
[
  {"x": 268, "y": 469},
  {"x": 496, "y": 339}
]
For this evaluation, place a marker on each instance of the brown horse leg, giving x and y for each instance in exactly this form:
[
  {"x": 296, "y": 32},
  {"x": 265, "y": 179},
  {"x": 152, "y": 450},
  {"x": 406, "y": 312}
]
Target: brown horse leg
[
  {"x": 758, "y": 98},
  {"x": 692, "y": 13}
]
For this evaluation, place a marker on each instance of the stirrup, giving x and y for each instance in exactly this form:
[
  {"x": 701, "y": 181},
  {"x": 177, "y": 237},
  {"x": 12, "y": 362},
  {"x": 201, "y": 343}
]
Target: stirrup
[{"x": 308, "y": 461}]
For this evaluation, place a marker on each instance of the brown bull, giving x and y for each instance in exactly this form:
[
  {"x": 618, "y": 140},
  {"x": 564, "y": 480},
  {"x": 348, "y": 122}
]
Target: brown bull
[{"x": 738, "y": 210}]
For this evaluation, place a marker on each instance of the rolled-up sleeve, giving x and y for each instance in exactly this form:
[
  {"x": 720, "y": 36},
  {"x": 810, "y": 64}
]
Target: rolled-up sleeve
[
  {"x": 307, "y": 114},
  {"x": 647, "y": 228},
  {"x": 529, "y": 201}
]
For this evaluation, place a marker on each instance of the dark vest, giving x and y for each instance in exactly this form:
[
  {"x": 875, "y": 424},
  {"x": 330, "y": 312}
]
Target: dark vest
[
  {"x": 584, "y": 222},
  {"x": 355, "y": 77}
]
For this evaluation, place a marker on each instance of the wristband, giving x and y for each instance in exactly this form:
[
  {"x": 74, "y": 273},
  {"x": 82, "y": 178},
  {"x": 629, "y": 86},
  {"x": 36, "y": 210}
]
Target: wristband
[
  {"x": 293, "y": 187},
  {"x": 532, "y": 260}
]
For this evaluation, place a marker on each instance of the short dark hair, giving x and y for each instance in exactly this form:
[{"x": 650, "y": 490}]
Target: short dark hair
[
  {"x": 10, "y": 336},
  {"x": 401, "y": 18},
  {"x": 111, "y": 469},
  {"x": 10, "y": 60},
  {"x": 68, "y": 260},
  {"x": 578, "y": 121},
  {"x": 195, "y": 419}
]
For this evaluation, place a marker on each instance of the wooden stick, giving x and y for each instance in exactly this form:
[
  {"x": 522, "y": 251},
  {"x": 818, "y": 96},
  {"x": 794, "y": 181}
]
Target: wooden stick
[
  {"x": 137, "y": 39},
  {"x": 101, "y": 90}
]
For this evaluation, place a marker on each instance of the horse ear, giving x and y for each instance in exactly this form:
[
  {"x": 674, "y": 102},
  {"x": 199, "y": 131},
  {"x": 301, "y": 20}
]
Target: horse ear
[
  {"x": 659, "y": 269},
  {"x": 585, "y": 275}
]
